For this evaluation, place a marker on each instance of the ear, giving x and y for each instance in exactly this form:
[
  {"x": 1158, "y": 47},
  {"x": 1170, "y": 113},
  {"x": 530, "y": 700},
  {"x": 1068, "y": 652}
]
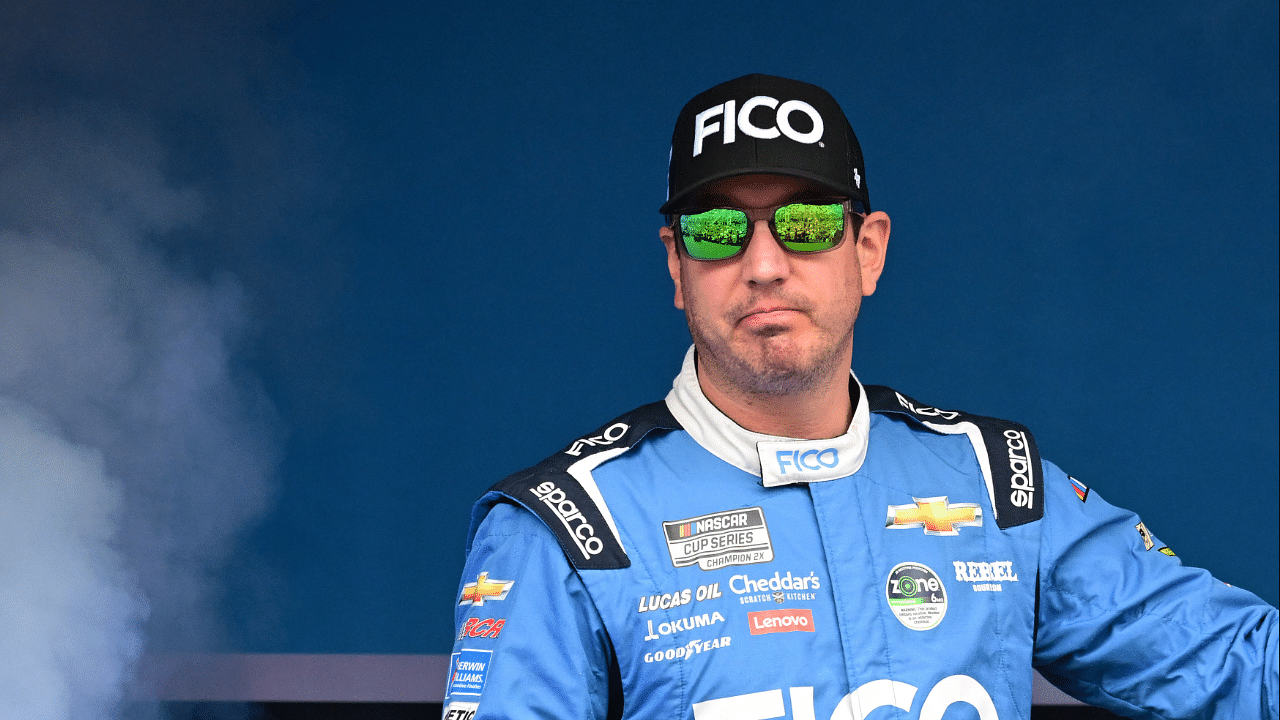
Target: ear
[
  {"x": 873, "y": 242},
  {"x": 673, "y": 263}
]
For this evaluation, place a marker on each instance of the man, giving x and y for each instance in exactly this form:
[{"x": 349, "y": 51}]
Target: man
[{"x": 776, "y": 539}]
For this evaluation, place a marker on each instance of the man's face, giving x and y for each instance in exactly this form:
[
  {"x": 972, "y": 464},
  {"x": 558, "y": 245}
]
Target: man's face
[{"x": 769, "y": 321}]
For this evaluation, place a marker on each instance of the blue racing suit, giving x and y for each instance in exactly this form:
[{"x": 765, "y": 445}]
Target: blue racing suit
[{"x": 675, "y": 565}]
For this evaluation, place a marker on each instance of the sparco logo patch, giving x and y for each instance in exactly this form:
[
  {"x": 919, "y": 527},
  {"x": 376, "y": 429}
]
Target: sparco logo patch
[
  {"x": 611, "y": 435},
  {"x": 1024, "y": 478},
  {"x": 583, "y": 535},
  {"x": 485, "y": 589},
  {"x": 732, "y": 537},
  {"x": 935, "y": 515},
  {"x": 764, "y": 622},
  {"x": 739, "y": 119}
]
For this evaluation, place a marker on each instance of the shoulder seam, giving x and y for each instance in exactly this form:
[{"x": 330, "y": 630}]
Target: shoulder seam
[
  {"x": 562, "y": 493},
  {"x": 1006, "y": 452}
]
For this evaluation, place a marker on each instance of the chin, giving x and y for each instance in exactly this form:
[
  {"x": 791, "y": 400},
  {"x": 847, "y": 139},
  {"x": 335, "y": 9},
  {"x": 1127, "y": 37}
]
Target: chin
[{"x": 778, "y": 370}]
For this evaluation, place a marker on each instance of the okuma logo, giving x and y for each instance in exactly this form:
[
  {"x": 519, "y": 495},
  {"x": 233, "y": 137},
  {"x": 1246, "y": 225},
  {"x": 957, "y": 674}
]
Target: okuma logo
[{"x": 737, "y": 119}]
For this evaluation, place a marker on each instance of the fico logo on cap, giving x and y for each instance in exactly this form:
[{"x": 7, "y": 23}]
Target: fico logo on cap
[{"x": 736, "y": 119}]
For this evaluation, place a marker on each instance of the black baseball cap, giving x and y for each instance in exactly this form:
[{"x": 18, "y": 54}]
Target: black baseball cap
[{"x": 760, "y": 124}]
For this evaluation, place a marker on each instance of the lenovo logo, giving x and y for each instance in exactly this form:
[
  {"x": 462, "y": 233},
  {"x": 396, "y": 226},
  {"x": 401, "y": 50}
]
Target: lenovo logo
[{"x": 777, "y": 621}]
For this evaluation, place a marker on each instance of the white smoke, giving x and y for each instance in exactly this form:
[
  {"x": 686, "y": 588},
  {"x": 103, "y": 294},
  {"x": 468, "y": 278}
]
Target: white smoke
[
  {"x": 70, "y": 612},
  {"x": 133, "y": 452}
]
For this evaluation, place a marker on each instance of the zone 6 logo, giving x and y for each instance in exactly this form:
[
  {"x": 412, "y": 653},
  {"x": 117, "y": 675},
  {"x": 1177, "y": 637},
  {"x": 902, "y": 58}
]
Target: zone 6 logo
[{"x": 854, "y": 706}]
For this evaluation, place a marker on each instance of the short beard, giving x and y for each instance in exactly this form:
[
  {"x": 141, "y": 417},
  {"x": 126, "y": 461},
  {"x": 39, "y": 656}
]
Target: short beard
[{"x": 773, "y": 375}]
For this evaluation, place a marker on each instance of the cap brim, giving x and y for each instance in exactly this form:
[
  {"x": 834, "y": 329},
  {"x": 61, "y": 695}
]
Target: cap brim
[{"x": 678, "y": 201}]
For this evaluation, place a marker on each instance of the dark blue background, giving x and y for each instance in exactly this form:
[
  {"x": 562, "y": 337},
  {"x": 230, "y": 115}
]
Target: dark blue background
[{"x": 1084, "y": 204}]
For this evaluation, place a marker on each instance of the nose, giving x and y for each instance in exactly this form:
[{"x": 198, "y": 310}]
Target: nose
[{"x": 765, "y": 262}]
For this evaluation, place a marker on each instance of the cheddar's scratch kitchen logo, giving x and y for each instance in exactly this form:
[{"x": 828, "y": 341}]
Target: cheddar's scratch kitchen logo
[
  {"x": 936, "y": 515},
  {"x": 485, "y": 589},
  {"x": 777, "y": 588}
]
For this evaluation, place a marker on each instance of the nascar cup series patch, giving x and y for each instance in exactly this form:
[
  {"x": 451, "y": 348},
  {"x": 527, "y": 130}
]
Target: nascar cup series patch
[
  {"x": 731, "y": 537},
  {"x": 916, "y": 596}
]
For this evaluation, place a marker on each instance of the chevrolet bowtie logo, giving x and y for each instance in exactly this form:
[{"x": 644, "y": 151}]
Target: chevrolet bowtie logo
[
  {"x": 935, "y": 515},
  {"x": 485, "y": 589}
]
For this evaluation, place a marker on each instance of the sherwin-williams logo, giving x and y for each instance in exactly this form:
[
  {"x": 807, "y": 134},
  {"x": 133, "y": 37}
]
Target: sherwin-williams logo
[
  {"x": 732, "y": 537},
  {"x": 935, "y": 515},
  {"x": 739, "y": 119},
  {"x": 764, "y": 622},
  {"x": 485, "y": 589},
  {"x": 468, "y": 670}
]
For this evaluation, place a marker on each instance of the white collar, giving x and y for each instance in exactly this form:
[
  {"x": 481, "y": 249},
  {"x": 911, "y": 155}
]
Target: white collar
[{"x": 776, "y": 460}]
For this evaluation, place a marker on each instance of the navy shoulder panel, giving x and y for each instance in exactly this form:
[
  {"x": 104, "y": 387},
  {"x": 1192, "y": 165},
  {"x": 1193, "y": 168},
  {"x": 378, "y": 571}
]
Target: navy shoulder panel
[
  {"x": 1013, "y": 471},
  {"x": 562, "y": 493}
]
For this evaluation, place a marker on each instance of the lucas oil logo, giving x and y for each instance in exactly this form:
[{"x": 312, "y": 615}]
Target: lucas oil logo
[
  {"x": 737, "y": 120},
  {"x": 583, "y": 534},
  {"x": 731, "y": 537}
]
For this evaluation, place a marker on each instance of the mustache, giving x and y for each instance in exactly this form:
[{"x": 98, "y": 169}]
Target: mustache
[{"x": 769, "y": 298}]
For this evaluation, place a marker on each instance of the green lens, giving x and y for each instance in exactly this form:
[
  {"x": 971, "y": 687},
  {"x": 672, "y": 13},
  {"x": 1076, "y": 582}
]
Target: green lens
[
  {"x": 714, "y": 234},
  {"x": 810, "y": 228}
]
